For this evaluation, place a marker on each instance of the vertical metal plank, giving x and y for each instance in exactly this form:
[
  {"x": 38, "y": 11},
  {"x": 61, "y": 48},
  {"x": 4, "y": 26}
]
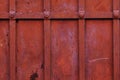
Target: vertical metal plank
[
  {"x": 47, "y": 50},
  {"x": 81, "y": 5},
  {"x": 12, "y": 23},
  {"x": 116, "y": 48},
  {"x": 81, "y": 50},
  {"x": 64, "y": 50},
  {"x": 99, "y": 50},
  {"x": 47, "y": 41},
  {"x": 81, "y": 40},
  {"x": 12, "y": 50},
  {"x": 115, "y": 4},
  {"x": 46, "y": 4},
  {"x": 116, "y": 34}
]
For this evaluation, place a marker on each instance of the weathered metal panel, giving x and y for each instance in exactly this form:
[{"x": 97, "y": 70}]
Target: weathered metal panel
[
  {"x": 64, "y": 8},
  {"x": 99, "y": 50},
  {"x": 64, "y": 50},
  {"x": 30, "y": 52},
  {"x": 29, "y": 8},
  {"x": 4, "y": 6},
  {"x": 4, "y": 50},
  {"x": 59, "y": 40},
  {"x": 98, "y": 5}
]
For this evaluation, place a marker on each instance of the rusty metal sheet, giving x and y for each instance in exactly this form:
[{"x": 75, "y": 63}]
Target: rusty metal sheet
[
  {"x": 99, "y": 5},
  {"x": 64, "y": 8},
  {"x": 4, "y": 50},
  {"x": 4, "y": 6},
  {"x": 98, "y": 8},
  {"x": 64, "y": 50},
  {"x": 59, "y": 39},
  {"x": 30, "y": 50},
  {"x": 33, "y": 8},
  {"x": 99, "y": 50}
]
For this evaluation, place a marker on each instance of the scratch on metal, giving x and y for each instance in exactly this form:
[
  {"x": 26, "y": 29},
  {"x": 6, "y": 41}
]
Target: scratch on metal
[{"x": 94, "y": 60}]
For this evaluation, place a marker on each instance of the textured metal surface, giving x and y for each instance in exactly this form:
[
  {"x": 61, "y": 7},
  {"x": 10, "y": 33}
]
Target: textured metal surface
[
  {"x": 99, "y": 55},
  {"x": 64, "y": 48},
  {"x": 4, "y": 50},
  {"x": 59, "y": 40}
]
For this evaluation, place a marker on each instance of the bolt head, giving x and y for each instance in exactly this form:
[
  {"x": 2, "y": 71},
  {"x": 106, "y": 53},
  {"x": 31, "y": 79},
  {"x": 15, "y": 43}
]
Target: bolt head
[
  {"x": 116, "y": 13},
  {"x": 81, "y": 14}
]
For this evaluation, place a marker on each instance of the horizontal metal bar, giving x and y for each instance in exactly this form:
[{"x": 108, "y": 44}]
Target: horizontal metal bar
[
  {"x": 29, "y": 15},
  {"x": 4, "y": 15},
  {"x": 64, "y": 15},
  {"x": 99, "y": 15},
  {"x": 88, "y": 15}
]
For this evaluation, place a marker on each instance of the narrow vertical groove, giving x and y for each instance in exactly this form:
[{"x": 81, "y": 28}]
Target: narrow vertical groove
[
  {"x": 81, "y": 40},
  {"x": 12, "y": 26},
  {"x": 81, "y": 49},
  {"x": 12, "y": 50},
  {"x": 47, "y": 41},
  {"x": 116, "y": 39},
  {"x": 47, "y": 50},
  {"x": 116, "y": 47}
]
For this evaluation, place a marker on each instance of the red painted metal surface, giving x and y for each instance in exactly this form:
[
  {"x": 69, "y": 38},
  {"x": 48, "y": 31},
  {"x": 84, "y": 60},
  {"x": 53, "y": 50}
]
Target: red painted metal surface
[
  {"x": 99, "y": 55},
  {"x": 59, "y": 40},
  {"x": 29, "y": 49},
  {"x": 64, "y": 50}
]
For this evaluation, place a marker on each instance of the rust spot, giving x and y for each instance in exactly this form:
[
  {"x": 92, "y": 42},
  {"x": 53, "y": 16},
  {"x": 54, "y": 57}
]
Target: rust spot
[
  {"x": 34, "y": 76},
  {"x": 42, "y": 66},
  {"x": 1, "y": 45}
]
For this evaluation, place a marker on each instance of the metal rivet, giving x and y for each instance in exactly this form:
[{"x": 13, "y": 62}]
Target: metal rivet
[
  {"x": 46, "y": 14},
  {"x": 116, "y": 13},
  {"x": 12, "y": 14},
  {"x": 81, "y": 14}
]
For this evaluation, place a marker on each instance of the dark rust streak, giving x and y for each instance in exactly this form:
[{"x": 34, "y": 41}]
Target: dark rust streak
[
  {"x": 34, "y": 76},
  {"x": 42, "y": 66}
]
